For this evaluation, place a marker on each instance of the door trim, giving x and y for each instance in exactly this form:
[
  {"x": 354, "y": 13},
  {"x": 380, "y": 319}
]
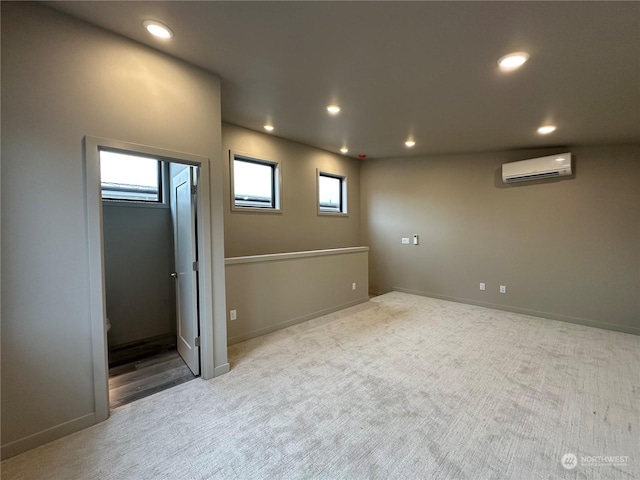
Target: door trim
[{"x": 95, "y": 248}]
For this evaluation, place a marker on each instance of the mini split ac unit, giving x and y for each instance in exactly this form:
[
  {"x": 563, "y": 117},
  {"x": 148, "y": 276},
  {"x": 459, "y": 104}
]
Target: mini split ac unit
[{"x": 535, "y": 168}]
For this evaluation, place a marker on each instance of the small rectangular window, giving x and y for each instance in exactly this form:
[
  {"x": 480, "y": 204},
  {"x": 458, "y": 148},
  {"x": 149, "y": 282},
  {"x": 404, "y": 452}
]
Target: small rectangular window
[
  {"x": 127, "y": 177},
  {"x": 332, "y": 193},
  {"x": 255, "y": 184}
]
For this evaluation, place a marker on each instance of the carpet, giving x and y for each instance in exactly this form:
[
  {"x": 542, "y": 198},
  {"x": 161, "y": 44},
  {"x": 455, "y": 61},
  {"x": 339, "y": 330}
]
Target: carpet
[{"x": 401, "y": 387}]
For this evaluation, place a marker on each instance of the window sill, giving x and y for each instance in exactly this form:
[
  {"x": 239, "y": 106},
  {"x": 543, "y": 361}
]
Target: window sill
[
  {"x": 133, "y": 204},
  {"x": 269, "y": 211},
  {"x": 333, "y": 214}
]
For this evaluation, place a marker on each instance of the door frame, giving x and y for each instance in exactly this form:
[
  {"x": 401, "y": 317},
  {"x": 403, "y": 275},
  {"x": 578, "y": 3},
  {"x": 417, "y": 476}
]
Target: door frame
[{"x": 97, "y": 299}]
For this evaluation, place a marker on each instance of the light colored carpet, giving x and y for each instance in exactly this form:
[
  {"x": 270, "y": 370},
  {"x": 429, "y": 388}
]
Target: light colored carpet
[{"x": 401, "y": 387}]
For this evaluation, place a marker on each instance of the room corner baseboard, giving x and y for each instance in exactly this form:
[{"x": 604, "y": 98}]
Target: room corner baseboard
[
  {"x": 294, "y": 321},
  {"x": 534, "y": 313},
  {"x": 49, "y": 435},
  {"x": 221, "y": 370}
]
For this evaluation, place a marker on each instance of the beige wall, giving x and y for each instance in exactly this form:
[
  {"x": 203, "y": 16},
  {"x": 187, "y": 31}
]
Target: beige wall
[
  {"x": 270, "y": 292},
  {"x": 298, "y": 227},
  {"x": 62, "y": 80},
  {"x": 566, "y": 249}
]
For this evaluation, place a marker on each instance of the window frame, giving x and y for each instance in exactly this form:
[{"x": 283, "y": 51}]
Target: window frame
[
  {"x": 163, "y": 178},
  {"x": 276, "y": 183},
  {"x": 343, "y": 194}
]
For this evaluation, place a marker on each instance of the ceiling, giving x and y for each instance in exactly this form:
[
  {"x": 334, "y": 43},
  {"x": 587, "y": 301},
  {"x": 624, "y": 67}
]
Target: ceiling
[{"x": 400, "y": 69}]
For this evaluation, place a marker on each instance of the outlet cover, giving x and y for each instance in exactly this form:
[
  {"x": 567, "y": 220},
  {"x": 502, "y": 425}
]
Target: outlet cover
[
  {"x": 503, "y": 289},
  {"x": 483, "y": 286},
  {"x": 233, "y": 315},
  {"x": 353, "y": 286}
]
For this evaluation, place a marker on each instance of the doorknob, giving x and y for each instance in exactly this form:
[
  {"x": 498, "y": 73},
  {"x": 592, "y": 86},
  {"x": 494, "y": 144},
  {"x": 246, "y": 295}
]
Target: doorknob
[{"x": 174, "y": 274}]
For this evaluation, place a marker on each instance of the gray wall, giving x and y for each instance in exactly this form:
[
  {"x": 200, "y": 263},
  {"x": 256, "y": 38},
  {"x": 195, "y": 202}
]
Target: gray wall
[
  {"x": 138, "y": 261},
  {"x": 270, "y": 292},
  {"x": 298, "y": 227},
  {"x": 61, "y": 80},
  {"x": 566, "y": 249}
]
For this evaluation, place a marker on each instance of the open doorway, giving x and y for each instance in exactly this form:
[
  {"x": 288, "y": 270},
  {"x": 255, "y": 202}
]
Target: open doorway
[
  {"x": 180, "y": 196},
  {"x": 151, "y": 278}
]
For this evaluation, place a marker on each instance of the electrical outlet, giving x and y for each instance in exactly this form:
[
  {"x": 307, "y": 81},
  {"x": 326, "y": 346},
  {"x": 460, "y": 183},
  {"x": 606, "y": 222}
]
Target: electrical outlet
[
  {"x": 405, "y": 240},
  {"x": 415, "y": 239},
  {"x": 483, "y": 286},
  {"x": 353, "y": 286},
  {"x": 233, "y": 315},
  {"x": 503, "y": 289}
]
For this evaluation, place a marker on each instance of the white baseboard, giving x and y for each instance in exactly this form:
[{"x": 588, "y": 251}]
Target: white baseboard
[
  {"x": 49, "y": 435},
  {"x": 293, "y": 321}
]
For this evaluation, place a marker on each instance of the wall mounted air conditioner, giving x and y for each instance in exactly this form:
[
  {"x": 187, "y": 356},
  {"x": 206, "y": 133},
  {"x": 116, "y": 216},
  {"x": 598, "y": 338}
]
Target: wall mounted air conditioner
[{"x": 535, "y": 168}]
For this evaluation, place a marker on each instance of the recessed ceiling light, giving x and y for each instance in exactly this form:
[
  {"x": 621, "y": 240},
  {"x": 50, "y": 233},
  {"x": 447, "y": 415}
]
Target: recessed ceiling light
[
  {"x": 333, "y": 109},
  {"x": 546, "y": 129},
  {"x": 344, "y": 150},
  {"x": 157, "y": 29},
  {"x": 513, "y": 61},
  {"x": 268, "y": 127},
  {"x": 409, "y": 143}
]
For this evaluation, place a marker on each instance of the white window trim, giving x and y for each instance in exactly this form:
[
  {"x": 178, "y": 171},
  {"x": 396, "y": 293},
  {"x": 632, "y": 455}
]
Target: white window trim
[
  {"x": 278, "y": 184},
  {"x": 345, "y": 210}
]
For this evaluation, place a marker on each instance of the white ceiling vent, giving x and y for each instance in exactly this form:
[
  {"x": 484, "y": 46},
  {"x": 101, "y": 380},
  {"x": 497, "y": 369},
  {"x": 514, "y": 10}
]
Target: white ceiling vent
[{"x": 536, "y": 168}]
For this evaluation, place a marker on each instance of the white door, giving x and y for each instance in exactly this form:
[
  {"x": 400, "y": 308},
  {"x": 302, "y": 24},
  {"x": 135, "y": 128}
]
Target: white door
[{"x": 183, "y": 213}]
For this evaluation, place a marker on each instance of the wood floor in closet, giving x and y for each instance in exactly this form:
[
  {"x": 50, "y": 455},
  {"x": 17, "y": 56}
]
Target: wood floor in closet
[{"x": 138, "y": 379}]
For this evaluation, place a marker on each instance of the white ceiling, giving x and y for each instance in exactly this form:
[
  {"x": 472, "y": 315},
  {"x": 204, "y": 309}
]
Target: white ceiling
[{"x": 426, "y": 69}]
